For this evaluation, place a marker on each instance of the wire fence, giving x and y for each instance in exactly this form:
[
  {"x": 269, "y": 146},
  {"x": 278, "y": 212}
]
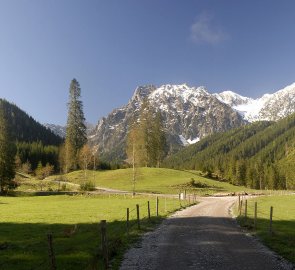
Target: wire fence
[
  {"x": 115, "y": 235},
  {"x": 259, "y": 216}
]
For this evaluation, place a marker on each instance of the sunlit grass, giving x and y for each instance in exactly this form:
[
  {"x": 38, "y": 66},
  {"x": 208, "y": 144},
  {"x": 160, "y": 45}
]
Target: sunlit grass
[
  {"x": 282, "y": 239},
  {"x": 25, "y": 222},
  {"x": 153, "y": 180}
]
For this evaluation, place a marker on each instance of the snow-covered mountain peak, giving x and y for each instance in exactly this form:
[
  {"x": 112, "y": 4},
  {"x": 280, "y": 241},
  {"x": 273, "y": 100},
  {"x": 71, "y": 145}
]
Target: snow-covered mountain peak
[
  {"x": 183, "y": 91},
  {"x": 269, "y": 107},
  {"x": 143, "y": 91},
  {"x": 288, "y": 90},
  {"x": 232, "y": 99}
]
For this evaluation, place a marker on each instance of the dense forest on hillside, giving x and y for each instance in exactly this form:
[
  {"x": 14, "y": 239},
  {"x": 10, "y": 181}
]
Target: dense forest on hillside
[
  {"x": 35, "y": 143},
  {"x": 36, "y": 152},
  {"x": 260, "y": 155},
  {"x": 24, "y": 128}
]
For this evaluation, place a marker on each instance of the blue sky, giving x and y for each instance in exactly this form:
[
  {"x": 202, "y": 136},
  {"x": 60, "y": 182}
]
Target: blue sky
[{"x": 111, "y": 47}]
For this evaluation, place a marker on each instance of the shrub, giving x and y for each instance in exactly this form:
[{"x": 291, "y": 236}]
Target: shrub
[{"x": 87, "y": 186}]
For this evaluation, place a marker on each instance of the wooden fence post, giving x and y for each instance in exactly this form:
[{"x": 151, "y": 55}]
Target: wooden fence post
[
  {"x": 179, "y": 199},
  {"x": 246, "y": 209},
  {"x": 270, "y": 220},
  {"x": 241, "y": 207},
  {"x": 51, "y": 252},
  {"x": 127, "y": 222},
  {"x": 165, "y": 205},
  {"x": 149, "y": 211},
  {"x": 239, "y": 202},
  {"x": 157, "y": 206},
  {"x": 104, "y": 244},
  {"x": 137, "y": 212},
  {"x": 255, "y": 216}
]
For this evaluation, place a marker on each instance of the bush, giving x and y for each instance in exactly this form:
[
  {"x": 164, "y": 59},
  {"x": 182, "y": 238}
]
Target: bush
[
  {"x": 88, "y": 186},
  {"x": 64, "y": 187}
]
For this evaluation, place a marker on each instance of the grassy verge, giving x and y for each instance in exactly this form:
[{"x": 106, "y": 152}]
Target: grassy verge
[
  {"x": 282, "y": 239},
  {"x": 153, "y": 180},
  {"x": 74, "y": 223}
]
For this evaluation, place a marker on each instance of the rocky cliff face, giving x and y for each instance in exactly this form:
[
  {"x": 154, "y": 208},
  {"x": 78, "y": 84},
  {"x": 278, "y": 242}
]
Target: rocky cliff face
[{"x": 189, "y": 114}]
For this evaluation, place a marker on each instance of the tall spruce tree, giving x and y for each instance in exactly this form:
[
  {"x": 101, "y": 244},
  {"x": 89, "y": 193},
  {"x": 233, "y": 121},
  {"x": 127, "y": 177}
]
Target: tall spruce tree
[
  {"x": 7, "y": 154},
  {"x": 76, "y": 129}
]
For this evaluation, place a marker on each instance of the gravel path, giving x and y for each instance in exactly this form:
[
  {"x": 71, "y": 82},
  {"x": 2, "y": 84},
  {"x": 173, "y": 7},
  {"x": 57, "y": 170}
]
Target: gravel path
[{"x": 203, "y": 236}]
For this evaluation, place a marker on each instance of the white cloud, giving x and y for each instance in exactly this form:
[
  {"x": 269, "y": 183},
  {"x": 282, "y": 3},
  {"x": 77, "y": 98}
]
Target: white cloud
[{"x": 203, "y": 30}]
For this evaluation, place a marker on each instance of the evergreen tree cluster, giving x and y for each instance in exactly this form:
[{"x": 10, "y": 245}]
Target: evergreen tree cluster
[
  {"x": 34, "y": 153},
  {"x": 7, "y": 154},
  {"x": 260, "y": 155}
]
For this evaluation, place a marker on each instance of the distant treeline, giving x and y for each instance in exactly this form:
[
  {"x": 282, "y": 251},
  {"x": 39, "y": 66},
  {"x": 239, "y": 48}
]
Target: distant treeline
[
  {"x": 260, "y": 155},
  {"x": 36, "y": 152}
]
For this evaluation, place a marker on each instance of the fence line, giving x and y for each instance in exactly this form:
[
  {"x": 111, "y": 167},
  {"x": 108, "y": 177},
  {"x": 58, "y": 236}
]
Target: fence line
[
  {"x": 253, "y": 217},
  {"x": 134, "y": 221}
]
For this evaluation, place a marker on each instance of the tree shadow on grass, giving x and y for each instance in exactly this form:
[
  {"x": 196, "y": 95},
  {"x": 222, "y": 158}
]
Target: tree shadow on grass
[
  {"x": 281, "y": 237},
  {"x": 78, "y": 246}
]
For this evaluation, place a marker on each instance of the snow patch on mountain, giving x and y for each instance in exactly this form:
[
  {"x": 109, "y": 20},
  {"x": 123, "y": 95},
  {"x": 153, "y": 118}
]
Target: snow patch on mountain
[
  {"x": 183, "y": 140},
  {"x": 186, "y": 142},
  {"x": 232, "y": 99},
  {"x": 195, "y": 140},
  {"x": 250, "y": 111},
  {"x": 270, "y": 107}
]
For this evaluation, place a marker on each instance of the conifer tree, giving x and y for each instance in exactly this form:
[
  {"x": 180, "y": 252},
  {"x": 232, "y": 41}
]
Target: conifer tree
[
  {"x": 76, "y": 129},
  {"x": 7, "y": 154}
]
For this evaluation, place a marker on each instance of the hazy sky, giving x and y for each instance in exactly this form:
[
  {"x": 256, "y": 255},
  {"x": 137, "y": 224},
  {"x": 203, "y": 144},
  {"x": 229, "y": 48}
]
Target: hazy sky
[{"x": 111, "y": 47}]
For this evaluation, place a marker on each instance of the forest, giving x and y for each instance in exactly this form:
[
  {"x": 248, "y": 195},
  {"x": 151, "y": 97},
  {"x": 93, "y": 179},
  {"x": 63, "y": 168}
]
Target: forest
[{"x": 260, "y": 155}]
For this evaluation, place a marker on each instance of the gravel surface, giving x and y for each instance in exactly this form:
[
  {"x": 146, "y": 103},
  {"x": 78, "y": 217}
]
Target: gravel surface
[{"x": 203, "y": 236}]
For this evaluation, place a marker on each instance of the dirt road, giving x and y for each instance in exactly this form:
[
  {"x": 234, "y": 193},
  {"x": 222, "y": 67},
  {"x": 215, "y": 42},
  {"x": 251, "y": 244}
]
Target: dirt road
[{"x": 202, "y": 237}]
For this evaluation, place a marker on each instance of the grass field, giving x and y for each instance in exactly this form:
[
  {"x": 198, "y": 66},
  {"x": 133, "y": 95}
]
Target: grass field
[
  {"x": 26, "y": 221},
  {"x": 153, "y": 180},
  {"x": 282, "y": 239}
]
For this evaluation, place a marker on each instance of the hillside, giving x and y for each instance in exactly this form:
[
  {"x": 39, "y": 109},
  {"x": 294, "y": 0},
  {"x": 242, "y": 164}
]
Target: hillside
[
  {"x": 153, "y": 180},
  {"x": 259, "y": 155},
  {"x": 24, "y": 128}
]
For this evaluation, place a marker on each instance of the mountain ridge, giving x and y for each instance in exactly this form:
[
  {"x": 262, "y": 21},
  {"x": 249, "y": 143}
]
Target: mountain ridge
[
  {"x": 188, "y": 113},
  {"x": 269, "y": 107}
]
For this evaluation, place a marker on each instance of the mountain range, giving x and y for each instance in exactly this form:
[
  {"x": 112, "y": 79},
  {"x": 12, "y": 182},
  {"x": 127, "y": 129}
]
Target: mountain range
[
  {"x": 270, "y": 107},
  {"x": 189, "y": 114}
]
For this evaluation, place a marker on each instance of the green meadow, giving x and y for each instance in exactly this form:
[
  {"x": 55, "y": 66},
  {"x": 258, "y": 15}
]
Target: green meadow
[
  {"x": 74, "y": 223},
  {"x": 153, "y": 180},
  {"x": 282, "y": 238}
]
